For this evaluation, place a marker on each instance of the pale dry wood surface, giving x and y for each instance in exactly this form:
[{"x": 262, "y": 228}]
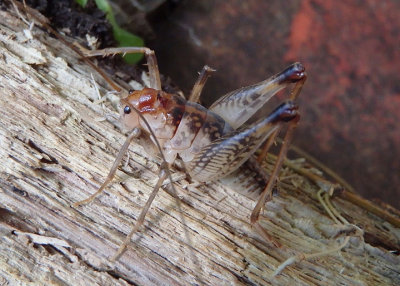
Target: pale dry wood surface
[{"x": 55, "y": 151}]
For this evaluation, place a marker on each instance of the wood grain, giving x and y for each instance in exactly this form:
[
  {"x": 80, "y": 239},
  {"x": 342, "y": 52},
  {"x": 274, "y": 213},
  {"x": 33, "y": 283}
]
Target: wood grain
[{"x": 55, "y": 150}]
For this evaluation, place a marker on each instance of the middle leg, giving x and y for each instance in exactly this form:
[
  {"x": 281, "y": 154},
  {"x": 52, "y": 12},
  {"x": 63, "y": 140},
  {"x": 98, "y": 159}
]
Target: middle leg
[{"x": 201, "y": 81}]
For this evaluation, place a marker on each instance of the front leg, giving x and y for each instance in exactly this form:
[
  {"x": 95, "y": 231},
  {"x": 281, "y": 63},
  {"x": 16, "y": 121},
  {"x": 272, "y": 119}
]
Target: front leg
[{"x": 135, "y": 133}]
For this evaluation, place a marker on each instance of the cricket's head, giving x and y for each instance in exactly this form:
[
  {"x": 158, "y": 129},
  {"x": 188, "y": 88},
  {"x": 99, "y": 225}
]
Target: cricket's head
[{"x": 146, "y": 102}]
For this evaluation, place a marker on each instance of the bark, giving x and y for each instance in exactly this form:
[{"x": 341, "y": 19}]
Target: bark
[{"x": 55, "y": 151}]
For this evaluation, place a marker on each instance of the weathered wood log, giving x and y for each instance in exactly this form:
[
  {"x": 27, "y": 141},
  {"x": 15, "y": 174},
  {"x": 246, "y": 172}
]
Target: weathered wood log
[{"x": 55, "y": 151}]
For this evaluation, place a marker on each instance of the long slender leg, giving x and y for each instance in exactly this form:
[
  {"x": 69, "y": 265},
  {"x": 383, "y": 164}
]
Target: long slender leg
[
  {"x": 134, "y": 134},
  {"x": 162, "y": 176},
  {"x": 151, "y": 59},
  {"x": 266, "y": 146},
  {"x": 267, "y": 193},
  {"x": 201, "y": 81}
]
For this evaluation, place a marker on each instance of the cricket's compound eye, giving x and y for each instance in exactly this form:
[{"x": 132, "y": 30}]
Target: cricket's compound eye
[{"x": 127, "y": 109}]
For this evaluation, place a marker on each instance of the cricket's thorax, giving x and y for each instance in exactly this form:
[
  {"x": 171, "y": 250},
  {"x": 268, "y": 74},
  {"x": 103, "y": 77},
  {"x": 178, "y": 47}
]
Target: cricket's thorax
[{"x": 182, "y": 127}]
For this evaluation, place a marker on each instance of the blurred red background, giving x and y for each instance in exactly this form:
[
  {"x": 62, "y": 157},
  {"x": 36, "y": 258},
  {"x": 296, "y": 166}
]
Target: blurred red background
[{"x": 351, "y": 49}]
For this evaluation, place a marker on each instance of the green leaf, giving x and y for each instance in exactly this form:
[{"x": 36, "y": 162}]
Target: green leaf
[
  {"x": 122, "y": 36},
  {"x": 82, "y": 2},
  {"x": 103, "y": 6}
]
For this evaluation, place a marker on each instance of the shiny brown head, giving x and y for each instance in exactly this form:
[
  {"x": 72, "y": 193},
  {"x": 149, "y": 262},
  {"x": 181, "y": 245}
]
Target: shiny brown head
[{"x": 145, "y": 101}]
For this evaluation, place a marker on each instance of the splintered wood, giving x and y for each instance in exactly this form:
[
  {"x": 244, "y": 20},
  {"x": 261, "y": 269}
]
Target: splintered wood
[{"x": 54, "y": 151}]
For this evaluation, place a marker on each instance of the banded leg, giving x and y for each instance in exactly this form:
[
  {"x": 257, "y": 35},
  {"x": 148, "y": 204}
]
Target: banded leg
[
  {"x": 238, "y": 106},
  {"x": 229, "y": 152},
  {"x": 199, "y": 85},
  {"x": 151, "y": 59}
]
